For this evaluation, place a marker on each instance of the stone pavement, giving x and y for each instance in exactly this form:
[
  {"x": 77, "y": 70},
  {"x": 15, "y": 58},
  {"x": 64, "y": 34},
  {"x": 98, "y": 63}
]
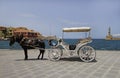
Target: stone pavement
[{"x": 13, "y": 65}]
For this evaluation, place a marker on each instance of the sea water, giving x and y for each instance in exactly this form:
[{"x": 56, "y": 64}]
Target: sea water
[{"x": 98, "y": 44}]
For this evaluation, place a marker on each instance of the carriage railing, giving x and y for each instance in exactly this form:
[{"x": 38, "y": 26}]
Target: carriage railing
[{"x": 85, "y": 40}]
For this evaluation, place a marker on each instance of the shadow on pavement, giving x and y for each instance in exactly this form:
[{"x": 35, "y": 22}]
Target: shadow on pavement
[
  {"x": 31, "y": 59},
  {"x": 74, "y": 59}
]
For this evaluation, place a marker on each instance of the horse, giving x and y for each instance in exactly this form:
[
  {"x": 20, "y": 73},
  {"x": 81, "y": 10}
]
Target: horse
[{"x": 27, "y": 43}]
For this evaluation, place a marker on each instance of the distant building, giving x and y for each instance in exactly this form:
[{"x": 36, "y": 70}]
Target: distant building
[
  {"x": 112, "y": 37},
  {"x": 2, "y": 28},
  {"x": 10, "y": 31},
  {"x": 26, "y": 32},
  {"x": 3, "y": 32},
  {"x": 7, "y": 32}
]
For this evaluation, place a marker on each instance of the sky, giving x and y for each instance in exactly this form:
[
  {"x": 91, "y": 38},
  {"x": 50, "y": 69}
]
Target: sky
[{"x": 49, "y": 17}]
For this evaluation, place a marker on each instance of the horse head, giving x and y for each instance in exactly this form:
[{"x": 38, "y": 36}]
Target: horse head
[
  {"x": 12, "y": 40},
  {"x": 16, "y": 38}
]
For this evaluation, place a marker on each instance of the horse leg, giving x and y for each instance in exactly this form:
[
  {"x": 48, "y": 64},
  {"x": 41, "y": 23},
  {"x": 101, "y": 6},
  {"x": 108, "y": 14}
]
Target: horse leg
[
  {"x": 41, "y": 52},
  {"x": 39, "y": 55},
  {"x": 42, "y": 55},
  {"x": 25, "y": 53}
]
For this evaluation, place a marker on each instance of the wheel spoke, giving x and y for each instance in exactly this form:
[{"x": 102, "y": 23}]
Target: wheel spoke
[
  {"x": 54, "y": 54},
  {"x": 87, "y": 54}
]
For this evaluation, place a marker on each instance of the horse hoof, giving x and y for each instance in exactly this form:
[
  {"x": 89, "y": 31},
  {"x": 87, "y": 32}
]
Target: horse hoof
[{"x": 26, "y": 59}]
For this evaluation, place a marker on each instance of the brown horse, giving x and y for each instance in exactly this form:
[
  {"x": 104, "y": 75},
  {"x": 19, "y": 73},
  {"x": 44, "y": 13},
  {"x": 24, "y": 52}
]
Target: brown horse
[{"x": 27, "y": 43}]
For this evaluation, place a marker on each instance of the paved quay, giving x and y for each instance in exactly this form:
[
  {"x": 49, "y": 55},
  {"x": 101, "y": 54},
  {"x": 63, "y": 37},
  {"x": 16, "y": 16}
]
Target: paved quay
[{"x": 13, "y": 65}]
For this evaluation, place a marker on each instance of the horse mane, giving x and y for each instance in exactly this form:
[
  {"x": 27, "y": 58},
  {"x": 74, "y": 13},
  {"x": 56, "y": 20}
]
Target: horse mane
[{"x": 19, "y": 37}]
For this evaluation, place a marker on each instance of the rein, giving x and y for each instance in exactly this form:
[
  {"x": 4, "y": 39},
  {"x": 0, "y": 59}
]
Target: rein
[
  {"x": 28, "y": 42},
  {"x": 36, "y": 47},
  {"x": 22, "y": 40}
]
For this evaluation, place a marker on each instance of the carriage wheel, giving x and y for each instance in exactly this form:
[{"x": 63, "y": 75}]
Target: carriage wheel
[
  {"x": 55, "y": 54},
  {"x": 87, "y": 54}
]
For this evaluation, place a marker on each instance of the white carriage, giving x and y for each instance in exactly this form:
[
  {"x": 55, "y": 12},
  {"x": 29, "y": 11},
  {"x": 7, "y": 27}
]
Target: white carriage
[{"x": 85, "y": 52}]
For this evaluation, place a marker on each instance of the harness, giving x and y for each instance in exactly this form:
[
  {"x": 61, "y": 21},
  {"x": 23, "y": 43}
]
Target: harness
[{"x": 31, "y": 43}]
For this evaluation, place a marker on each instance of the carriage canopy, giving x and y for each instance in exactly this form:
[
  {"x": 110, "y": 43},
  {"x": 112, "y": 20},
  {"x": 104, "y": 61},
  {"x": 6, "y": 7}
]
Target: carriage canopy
[{"x": 77, "y": 29}]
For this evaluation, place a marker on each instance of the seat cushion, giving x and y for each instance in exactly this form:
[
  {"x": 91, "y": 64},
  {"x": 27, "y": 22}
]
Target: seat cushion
[{"x": 72, "y": 47}]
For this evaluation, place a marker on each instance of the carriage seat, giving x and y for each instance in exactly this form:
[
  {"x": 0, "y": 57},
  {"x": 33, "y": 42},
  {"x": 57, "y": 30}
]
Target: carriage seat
[{"x": 72, "y": 47}]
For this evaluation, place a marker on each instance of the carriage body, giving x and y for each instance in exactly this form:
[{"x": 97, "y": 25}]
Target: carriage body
[{"x": 86, "y": 53}]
